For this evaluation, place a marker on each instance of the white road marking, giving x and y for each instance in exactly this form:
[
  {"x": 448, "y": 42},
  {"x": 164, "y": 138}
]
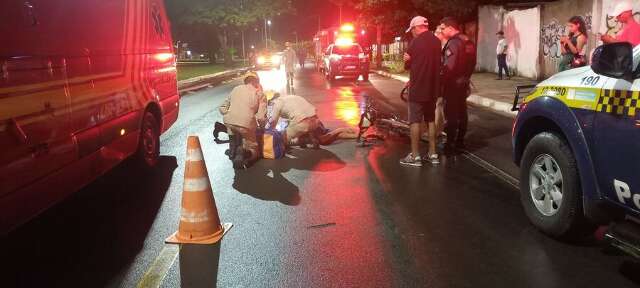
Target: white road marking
[{"x": 161, "y": 265}]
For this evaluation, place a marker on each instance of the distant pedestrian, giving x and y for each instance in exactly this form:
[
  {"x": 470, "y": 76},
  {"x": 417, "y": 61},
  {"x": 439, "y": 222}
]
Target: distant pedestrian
[
  {"x": 289, "y": 63},
  {"x": 501, "y": 51},
  {"x": 573, "y": 46},
  {"x": 423, "y": 59},
  {"x": 302, "y": 56},
  {"x": 458, "y": 65},
  {"x": 631, "y": 31}
]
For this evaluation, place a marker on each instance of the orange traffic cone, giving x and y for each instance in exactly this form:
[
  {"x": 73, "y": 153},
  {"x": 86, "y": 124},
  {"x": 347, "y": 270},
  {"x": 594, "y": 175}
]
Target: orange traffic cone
[{"x": 199, "y": 220}]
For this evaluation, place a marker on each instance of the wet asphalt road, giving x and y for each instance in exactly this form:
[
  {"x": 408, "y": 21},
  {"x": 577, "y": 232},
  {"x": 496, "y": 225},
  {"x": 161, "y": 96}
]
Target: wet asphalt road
[{"x": 341, "y": 216}]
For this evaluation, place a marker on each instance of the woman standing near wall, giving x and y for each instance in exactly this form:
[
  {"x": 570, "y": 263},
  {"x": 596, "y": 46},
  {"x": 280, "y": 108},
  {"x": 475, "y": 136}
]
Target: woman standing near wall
[{"x": 573, "y": 45}]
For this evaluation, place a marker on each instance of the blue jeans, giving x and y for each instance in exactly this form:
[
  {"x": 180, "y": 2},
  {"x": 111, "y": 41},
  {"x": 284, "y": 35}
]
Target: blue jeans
[{"x": 502, "y": 64}]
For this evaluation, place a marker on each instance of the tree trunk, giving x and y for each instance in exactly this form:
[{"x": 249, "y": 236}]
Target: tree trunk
[{"x": 224, "y": 46}]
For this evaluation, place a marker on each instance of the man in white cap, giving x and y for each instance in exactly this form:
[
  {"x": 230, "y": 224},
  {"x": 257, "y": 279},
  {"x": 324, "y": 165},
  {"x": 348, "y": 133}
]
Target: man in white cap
[
  {"x": 631, "y": 31},
  {"x": 424, "y": 61}
]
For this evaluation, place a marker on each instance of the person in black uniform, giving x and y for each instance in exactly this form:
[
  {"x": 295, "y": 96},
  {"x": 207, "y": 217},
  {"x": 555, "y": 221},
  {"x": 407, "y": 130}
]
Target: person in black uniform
[
  {"x": 423, "y": 59},
  {"x": 456, "y": 85}
]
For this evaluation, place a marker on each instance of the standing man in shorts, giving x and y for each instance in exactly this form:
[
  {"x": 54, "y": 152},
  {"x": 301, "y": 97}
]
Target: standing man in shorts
[{"x": 424, "y": 63}]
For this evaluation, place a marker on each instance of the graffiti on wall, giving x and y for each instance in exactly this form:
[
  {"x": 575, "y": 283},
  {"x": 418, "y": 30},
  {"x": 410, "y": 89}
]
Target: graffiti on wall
[
  {"x": 550, "y": 39},
  {"x": 613, "y": 26},
  {"x": 551, "y": 33}
]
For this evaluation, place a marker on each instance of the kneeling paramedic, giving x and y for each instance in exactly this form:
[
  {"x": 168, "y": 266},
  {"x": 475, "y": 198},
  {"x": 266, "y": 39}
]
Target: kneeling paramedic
[
  {"x": 301, "y": 116},
  {"x": 244, "y": 109}
]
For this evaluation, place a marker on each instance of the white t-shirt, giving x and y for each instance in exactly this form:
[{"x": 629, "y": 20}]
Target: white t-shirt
[{"x": 502, "y": 47}]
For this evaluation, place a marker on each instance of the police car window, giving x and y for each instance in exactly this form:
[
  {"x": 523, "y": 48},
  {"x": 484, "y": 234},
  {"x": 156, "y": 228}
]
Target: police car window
[{"x": 347, "y": 50}]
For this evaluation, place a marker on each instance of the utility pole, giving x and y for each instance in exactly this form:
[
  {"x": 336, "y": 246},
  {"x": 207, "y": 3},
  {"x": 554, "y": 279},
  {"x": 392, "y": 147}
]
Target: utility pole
[
  {"x": 266, "y": 44},
  {"x": 244, "y": 55}
]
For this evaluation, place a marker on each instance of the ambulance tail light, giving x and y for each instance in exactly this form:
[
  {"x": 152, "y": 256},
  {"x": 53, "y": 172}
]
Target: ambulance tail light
[{"x": 163, "y": 57}]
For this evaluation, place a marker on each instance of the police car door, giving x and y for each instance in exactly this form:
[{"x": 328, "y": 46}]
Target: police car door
[{"x": 616, "y": 149}]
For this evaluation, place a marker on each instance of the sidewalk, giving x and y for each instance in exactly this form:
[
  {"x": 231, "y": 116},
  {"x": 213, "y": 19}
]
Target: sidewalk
[
  {"x": 200, "y": 82},
  {"x": 486, "y": 90}
]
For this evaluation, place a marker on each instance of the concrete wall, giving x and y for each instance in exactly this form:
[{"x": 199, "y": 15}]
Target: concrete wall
[
  {"x": 608, "y": 23},
  {"x": 489, "y": 22},
  {"x": 521, "y": 29},
  {"x": 554, "y": 20}
]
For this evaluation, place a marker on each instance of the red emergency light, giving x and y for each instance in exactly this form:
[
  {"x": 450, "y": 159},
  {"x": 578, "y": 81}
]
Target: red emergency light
[{"x": 347, "y": 28}]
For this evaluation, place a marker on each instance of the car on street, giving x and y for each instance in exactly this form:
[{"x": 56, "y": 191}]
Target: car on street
[
  {"x": 345, "y": 59},
  {"x": 577, "y": 141},
  {"x": 268, "y": 60},
  {"x": 84, "y": 85}
]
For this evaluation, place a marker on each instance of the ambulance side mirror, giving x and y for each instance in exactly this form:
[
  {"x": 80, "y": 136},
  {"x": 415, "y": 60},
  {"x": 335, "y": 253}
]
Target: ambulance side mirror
[{"x": 613, "y": 60}]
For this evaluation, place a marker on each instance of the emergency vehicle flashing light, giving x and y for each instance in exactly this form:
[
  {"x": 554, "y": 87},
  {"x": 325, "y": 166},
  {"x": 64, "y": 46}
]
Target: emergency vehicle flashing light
[{"x": 347, "y": 28}]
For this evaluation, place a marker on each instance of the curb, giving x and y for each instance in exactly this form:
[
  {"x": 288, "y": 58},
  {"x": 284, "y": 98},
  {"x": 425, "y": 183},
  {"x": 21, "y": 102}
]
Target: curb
[
  {"x": 499, "y": 106},
  {"x": 200, "y": 82}
]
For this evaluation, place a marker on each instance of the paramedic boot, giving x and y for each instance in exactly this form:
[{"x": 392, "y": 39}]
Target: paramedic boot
[
  {"x": 217, "y": 129},
  {"x": 239, "y": 158},
  {"x": 231, "y": 151},
  {"x": 235, "y": 142}
]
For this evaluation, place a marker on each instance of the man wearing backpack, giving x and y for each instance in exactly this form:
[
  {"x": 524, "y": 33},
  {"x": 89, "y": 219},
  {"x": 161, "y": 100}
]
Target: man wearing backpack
[{"x": 458, "y": 65}]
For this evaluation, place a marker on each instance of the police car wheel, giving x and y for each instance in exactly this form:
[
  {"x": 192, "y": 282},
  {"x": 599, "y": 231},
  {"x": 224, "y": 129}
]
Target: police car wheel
[
  {"x": 550, "y": 188},
  {"x": 149, "y": 143}
]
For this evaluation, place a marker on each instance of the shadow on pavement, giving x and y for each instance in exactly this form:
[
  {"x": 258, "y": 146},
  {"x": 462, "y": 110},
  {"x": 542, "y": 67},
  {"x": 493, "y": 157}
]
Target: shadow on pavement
[
  {"x": 199, "y": 265},
  {"x": 265, "y": 180},
  {"x": 87, "y": 239}
]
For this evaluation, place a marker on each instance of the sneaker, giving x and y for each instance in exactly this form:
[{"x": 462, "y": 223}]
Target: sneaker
[
  {"x": 434, "y": 159},
  {"x": 411, "y": 161}
]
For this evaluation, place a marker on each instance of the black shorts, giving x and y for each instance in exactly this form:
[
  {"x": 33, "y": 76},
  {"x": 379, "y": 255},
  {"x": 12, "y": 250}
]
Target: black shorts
[{"x": 422, "y": 111}]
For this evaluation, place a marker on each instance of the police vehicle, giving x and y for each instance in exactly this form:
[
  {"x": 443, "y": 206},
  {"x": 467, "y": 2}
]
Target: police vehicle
[{"x": 577, "y": 141}]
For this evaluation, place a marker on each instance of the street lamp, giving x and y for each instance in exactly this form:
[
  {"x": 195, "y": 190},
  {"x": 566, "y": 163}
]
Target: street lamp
[{"x": 269, "y": 34}]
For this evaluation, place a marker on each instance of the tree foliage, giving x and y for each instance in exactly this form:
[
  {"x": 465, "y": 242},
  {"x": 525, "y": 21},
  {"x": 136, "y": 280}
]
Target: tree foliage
[{"x": 224, "y": 17}]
